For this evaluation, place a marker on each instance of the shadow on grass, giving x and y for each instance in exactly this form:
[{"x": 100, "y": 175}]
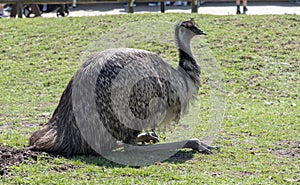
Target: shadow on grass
[
  {"x": 179, "y": 157},
  {"x": 10, "y": 156}
]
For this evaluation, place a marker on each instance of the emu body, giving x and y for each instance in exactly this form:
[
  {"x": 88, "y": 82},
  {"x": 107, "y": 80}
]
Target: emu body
[{"x": 63, "y": 135}]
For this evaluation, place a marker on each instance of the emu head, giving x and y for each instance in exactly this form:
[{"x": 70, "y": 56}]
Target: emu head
[
  {"x": 184, "y": 32},
  {"x": 188, "y": 29}
]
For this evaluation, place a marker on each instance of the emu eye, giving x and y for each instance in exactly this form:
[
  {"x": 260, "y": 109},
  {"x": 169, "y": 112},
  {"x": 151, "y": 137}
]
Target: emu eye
[{"x": 186, "y": 24}]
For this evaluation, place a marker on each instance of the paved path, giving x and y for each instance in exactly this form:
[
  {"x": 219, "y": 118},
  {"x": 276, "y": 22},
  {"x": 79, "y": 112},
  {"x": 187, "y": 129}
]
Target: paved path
[{"x": 208, "y": 8}]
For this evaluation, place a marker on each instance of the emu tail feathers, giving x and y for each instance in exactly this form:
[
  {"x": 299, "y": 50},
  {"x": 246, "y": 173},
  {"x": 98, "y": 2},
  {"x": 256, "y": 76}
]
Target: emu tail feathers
[{"x": 44, "y": 139}]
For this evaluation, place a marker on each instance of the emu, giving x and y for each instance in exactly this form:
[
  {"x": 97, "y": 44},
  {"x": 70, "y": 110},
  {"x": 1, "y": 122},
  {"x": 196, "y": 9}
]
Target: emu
[{"x": 63, "y": 134}]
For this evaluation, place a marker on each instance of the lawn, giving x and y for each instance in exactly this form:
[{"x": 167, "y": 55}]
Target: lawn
[{"x": 258, "y": 57}]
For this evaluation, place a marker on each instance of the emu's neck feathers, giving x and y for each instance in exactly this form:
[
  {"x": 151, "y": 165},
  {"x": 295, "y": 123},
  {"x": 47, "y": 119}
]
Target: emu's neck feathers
[
  {"x": 183, "y": 40},
  {"x": 187, "y": 61}
]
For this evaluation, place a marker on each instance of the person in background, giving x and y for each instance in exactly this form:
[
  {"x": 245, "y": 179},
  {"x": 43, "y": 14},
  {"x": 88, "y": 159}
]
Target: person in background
[
  {"x": 238, "y": 3},
  {"x": 44, "y": 8},
  {"x": 5, "y": 10},
  {"x": 1, "y": 10}
]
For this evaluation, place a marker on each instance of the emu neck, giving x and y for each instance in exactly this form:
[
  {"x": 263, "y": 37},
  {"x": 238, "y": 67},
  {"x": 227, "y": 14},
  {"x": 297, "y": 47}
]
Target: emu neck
[
  {"x": 189, "y": 65},
  {"x": 183, "y": 43},
  {"x": 187, "y": 62}
]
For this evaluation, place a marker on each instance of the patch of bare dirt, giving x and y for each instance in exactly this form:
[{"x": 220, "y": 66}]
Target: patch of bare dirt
[
  {"x": 23, "y": 124},
  {"x": 27, "y": 124},
  {"x": 11, "y": 156},
  {"x": 288, "y": 149},
  {"x": 243, "y": 174},
  {"x": 64, "y": 167}
]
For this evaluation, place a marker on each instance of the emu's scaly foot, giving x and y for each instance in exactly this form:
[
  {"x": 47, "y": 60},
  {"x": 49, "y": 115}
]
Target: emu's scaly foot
[
  {"x": 148, "y": 137},
  {"x": 196, "y": 145}
]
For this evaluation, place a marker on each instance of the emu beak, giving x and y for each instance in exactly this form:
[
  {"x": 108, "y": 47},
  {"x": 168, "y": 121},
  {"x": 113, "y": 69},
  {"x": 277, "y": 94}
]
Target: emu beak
[
  {"x": 201, "y": 32},
  {"x": 198, "y": 31}
]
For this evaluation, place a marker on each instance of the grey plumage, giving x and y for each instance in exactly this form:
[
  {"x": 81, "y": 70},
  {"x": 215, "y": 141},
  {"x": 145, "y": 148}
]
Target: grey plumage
[{"x": 98, "y": 79}]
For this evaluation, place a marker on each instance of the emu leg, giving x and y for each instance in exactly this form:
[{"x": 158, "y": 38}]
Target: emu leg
[{"x": 194, "y": 144}]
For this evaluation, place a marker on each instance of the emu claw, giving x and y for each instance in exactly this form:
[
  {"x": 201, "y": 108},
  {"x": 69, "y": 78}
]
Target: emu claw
[
  {"x": 198, "y": 146},
  {"x": 148, "y": 137}
]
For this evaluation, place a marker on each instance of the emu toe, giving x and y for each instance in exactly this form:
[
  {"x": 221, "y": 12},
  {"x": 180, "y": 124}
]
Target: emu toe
[{"x": 198, "y": 146}]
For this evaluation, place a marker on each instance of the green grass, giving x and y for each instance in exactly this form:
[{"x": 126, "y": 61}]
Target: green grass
[{"x": 259, "y": 138}]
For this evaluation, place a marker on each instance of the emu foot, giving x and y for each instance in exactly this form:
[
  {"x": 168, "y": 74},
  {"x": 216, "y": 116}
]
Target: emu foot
[
  {"x": 148, "y": 137},
  {"x": 196, "y": 145}
]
